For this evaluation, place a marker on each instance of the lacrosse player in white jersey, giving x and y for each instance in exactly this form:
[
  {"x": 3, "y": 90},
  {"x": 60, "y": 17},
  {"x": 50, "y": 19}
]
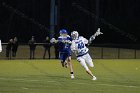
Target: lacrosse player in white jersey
[
  {"x": 0, "y": 46},
  {"x": 79, "y": 48}
]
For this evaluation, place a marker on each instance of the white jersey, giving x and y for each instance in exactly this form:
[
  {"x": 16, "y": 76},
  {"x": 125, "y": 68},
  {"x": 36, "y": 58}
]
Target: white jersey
[{"x": 78, "y": 46}]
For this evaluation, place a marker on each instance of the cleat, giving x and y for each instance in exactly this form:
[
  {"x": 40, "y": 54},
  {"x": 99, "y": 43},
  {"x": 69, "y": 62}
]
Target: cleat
[
  {"x": 66, "y": 65},
  {"x": 72, "y": 76},
  {"x": 94, "y": 78},
  {"x": 62, "y": 64}
]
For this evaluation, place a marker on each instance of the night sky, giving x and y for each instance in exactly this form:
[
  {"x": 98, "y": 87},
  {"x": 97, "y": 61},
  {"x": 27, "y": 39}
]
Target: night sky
[{"x": 119, "y": 20}]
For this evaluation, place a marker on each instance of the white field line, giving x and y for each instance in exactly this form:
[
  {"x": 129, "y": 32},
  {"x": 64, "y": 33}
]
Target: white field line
[
  {"x": 25, "y": 88},
  {"x": 18, "y": 79},
  {"x": 111, "y": 85},
  {"x": 119, "y": 85},
  {"x": 24, "y": 80}
]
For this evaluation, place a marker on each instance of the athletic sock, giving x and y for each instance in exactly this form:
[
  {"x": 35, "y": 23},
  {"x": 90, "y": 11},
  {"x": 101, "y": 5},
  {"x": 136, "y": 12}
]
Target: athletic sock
[{"x": 71, "y": 73}]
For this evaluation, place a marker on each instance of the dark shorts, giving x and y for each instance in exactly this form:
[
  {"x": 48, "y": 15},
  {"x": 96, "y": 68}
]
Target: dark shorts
[{"x": 64, "y": 56}]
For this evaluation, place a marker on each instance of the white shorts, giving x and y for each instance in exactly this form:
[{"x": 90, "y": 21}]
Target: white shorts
[{"x": 84, "y": 60}]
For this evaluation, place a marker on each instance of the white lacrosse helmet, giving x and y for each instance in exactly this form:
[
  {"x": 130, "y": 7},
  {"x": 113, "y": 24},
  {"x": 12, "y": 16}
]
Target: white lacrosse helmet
[{"x": 74, "y": 35}]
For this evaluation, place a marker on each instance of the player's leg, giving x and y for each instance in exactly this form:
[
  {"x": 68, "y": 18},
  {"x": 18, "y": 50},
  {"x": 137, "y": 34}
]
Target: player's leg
[
  {"x": 83, "y": 63},
  {"x": 89, "y": 61},
  {"x": 44, "y": 53},
  {"x": 7, "y": 53},
  {"x": 71, "y": 67},
  {"x": 65, "y": 57},
  {"x": 66, "y": 61},
  {"x": 30, "y": 54},
  {"x": 49, "y": 52},
  {"x": 62, "y": 59}
]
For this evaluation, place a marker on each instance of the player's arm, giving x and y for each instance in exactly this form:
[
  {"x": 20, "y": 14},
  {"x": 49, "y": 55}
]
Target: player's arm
[
  {"x": 0, "y": 46},
  {"x": 68, "y": 41},
  {"x": 85, "y": 41},
  {"x": 53, "y": 40},
  {"x": 97, "y": 33},
  {"x": 73, "y": 48}
]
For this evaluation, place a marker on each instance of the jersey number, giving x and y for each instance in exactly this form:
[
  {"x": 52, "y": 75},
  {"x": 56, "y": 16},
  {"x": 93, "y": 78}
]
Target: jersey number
[{"x": 80, "y": 45}]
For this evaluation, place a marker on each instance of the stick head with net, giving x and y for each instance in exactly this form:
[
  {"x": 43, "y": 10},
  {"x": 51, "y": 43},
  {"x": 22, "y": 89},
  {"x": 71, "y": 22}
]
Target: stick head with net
[{"x": 98, "y": 32}]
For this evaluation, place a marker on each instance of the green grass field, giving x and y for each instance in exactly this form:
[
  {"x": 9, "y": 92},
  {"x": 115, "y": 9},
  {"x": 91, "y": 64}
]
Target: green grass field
[{"x": 47, "y": 76}]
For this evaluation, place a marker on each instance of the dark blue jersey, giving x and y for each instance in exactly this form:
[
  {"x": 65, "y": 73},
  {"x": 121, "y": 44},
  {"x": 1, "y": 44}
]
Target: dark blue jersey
[{"x": 63, "y": 46}]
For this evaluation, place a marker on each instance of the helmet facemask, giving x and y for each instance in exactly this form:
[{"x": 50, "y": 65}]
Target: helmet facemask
[
  {"x": 63, "y": 33},
  {"x": 74, "y": 35}
]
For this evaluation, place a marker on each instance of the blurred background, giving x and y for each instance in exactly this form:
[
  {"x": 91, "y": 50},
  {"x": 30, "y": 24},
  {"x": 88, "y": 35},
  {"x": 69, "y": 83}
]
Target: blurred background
[{"x": 118, "y": 20}]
